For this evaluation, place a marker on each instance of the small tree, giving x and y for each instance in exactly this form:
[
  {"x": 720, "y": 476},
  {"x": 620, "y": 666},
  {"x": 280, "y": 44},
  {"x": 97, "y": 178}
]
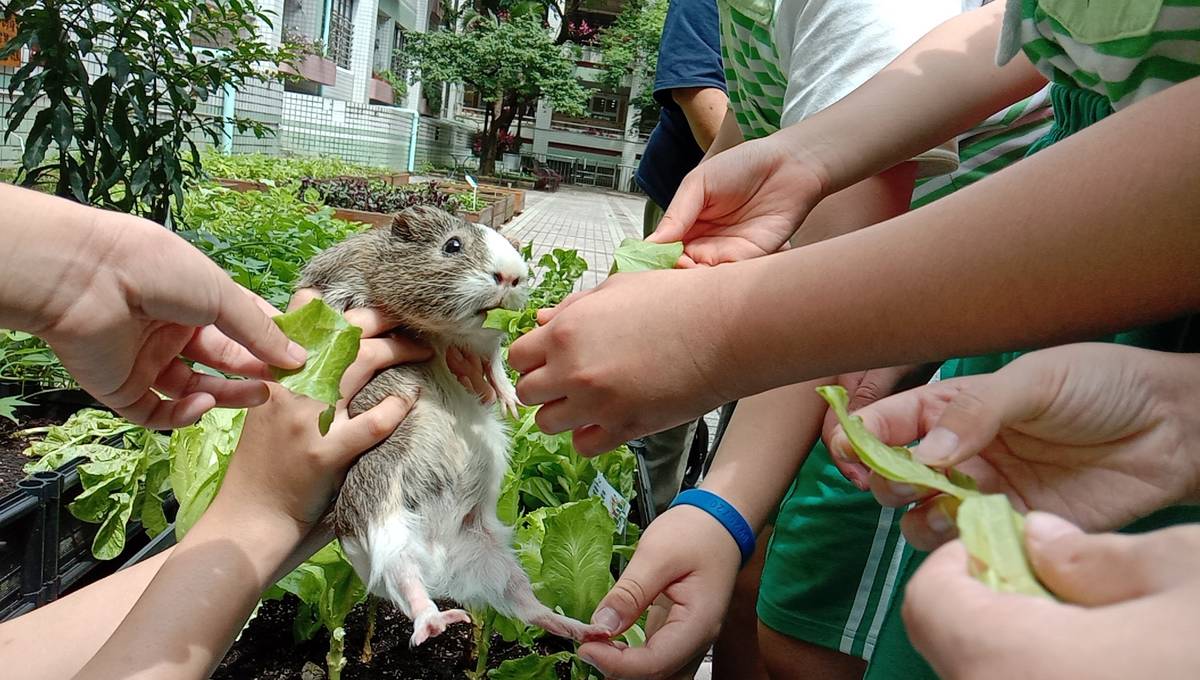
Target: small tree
[
  {"x": 124, "y": 134},
  {"x": 510, "y": 63},
  {"x": 630, "y": 47}
]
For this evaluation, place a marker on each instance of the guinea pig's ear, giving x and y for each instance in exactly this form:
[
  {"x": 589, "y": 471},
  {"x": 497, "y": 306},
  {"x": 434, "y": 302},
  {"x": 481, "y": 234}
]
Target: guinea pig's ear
[{"x": 401, "y": 228}]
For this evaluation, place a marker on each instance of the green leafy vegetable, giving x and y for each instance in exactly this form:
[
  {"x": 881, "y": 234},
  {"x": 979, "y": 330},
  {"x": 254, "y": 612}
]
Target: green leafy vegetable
[
  {"x": 993, "y": 533},
  {"x": 332, "y": 345},
  {"x": 532, "y": 667},
  {"x": 199, "y": 457},
  {"x": 8, "y": 407},
  {"x": 890, "y": 462},
  {"x": 989, "y": 526},
  {"x": 636, "y": 255},
  {"x": 576, "y": 549},
  {"x": 124, "y": 474}
]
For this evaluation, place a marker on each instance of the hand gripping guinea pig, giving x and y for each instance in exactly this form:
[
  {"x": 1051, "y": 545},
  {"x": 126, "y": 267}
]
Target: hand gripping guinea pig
[{"x": 417, "y": 513}]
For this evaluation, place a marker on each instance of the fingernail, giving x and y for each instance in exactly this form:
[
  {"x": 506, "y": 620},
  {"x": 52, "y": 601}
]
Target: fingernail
[
  {"x": 297, "y": 353},
  {"x": 587, "y": 659},
  {"x": 902, "y": 490},
  {"x": 1044, "y": 528},
  {"x": 607, "y": 619},
  {"x": 839, "y": 449},
  {"x": 938, "y": 519},
  {"x": 937, "y": 447}
]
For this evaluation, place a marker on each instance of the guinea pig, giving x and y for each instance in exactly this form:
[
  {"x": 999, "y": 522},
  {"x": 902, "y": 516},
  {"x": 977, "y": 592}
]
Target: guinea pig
[{"x": 416, "y": 515}]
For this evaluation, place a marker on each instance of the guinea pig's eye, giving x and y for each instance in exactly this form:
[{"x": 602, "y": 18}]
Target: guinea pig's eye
[{"x": 452, "y": 246}]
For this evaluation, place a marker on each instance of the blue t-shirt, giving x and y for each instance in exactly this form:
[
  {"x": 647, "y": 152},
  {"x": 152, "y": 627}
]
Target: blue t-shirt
[{"x": 688, "y": 56}]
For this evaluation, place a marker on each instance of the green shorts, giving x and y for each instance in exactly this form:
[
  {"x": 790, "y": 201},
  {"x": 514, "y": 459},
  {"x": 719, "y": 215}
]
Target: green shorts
[{"x": 832, "y": 562}]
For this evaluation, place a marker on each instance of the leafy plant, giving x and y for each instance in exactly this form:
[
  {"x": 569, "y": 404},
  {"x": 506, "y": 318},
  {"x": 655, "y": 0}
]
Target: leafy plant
[
  {"x": 511, "y": 63},
  {"x": 199, "y": 458},
  {"x": 355, "y": 193},
  {"x": 398, "y": 84},
  {"x": 328, "y": 590},
  {"x": 257, "y": 167},
  {"x": 262, "y": 239},
  {"x": 301, "y": 44},
  {"x": 125, "y": 474},
  {"x": 28, "y": 361},
  {"x": 124, "y": 135},
  {"x": 332, "y": 345},
  {"x": 991, "y": 529},
  {"x": 9, "y": 406},
  {"x": 470, "y": 202}
]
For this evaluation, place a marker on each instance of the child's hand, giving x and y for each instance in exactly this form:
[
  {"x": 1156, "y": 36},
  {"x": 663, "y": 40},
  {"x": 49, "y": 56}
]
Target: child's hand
[
  {"x": 968, "y": 631},
  {"x": 687, "y": 560},
  {"x": 743, "y": 202},
  {"x": 1100, "y": 434},
  {"x": 595, "y": 368},
  {"x": 283, "y": 464}
]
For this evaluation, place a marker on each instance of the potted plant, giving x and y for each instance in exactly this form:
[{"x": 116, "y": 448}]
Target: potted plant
[{"x": 312, "y": 65}]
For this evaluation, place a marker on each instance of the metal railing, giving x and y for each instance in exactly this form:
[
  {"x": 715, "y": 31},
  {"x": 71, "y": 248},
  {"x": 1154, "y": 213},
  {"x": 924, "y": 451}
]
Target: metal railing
[{"x": 341, "y": 38}]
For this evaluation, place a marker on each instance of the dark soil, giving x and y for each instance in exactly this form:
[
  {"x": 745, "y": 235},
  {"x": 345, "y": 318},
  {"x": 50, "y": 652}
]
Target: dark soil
[
  {"x": 12, "y": 450},
  {"x": 267, "y": 651}
]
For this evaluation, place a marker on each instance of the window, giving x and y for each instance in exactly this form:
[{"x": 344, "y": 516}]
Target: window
[
  {"x": 397, "y": 48},
  {"x": 341, "y": 32},
  {"x": 605, "y": 107}
]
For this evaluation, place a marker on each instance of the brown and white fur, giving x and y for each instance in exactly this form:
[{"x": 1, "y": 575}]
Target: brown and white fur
[{"x": 417, "y": 514}]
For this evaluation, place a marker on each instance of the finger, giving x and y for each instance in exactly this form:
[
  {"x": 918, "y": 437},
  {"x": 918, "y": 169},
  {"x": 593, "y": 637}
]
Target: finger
[
  {"x": 372, "y": 321},
  {"x": 528, "y": 352},
  {"x": 303, "y": 297},
  {"x": 214, "y": 349},
  {"x": 241, "y": 319},
  {"x": 178, "y": 381},
  {"x": 156, "y": 413},
  {"x": 648, "y": 573},
  {"x": 896, "y": 494},
  {"x": 974, "y": 416},
  {"x": 374, "y": 355},
  {"x": 687, "y": 632},
  {"x": 1102, "y": 569},
  {"x": 544, "y": 316},
  {"x": 593, "y": 440},
  {"x": 684, "y": 209},
  {"x": 367, "y": 429},
  {"x": 538, "y": 387},
  {"x": 475, "y": 374},
  {"x": 982, "y": 627},
  {"x": 557, "y": 416},
  {"x": 930, "y": 523},
  {"x": 157, "y": 350}
]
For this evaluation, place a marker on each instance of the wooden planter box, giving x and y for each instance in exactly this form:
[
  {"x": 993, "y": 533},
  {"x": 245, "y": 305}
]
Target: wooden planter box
[
  {"x": 241, "y": 184},
  {"x": 484, "y": 217},
  {"x": 517, "y": 195},
  {"x": 372, "y": 218},
  {"x": 395, "y": 178},
  {"x": 314, "y": 68}
]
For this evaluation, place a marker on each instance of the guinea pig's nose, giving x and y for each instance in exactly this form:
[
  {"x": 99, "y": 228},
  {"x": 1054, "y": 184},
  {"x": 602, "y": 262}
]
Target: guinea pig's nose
[{"x": 502, "y": 278}]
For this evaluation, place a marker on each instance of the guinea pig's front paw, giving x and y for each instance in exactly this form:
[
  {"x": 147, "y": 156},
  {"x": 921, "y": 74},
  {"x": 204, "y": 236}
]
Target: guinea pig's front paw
[
  {"x": 508, "y": 401},
  {"x": 564, "y": 626},
  {"x": 433, "y": 623}
]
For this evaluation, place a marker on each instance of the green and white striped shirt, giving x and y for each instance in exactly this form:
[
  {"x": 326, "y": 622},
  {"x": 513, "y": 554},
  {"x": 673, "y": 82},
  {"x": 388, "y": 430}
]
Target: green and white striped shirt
[{"x": 1124, "y": 50}]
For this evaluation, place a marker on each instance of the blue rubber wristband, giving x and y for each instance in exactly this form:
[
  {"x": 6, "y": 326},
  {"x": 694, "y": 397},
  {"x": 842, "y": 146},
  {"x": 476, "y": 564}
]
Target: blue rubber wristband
[{"x": 723, "y": 512}]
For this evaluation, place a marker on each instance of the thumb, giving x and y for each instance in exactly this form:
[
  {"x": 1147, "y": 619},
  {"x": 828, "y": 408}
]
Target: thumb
[
  {"x": 1100, "y": 569},
  {"x": 644, "y": 579},
  {"x": 973, "y": 417},
  {"x": 684, "y": 209}
]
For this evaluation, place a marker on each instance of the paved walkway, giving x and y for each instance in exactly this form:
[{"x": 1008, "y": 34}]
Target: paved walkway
[{"x": 593, "y": 222}]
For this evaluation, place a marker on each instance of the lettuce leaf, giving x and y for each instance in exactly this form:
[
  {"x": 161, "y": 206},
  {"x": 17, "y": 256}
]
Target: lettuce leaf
[
  {"x": 332, "y": 345},
  {"x": 199, "y": 457},
  {"x": 890, "y": 462},
  {"x": 576, "y": 552},
  {"x": 636, "y": 255},
  {"x": 994, "y": 534},
  {"x": 531, "y": 667}
]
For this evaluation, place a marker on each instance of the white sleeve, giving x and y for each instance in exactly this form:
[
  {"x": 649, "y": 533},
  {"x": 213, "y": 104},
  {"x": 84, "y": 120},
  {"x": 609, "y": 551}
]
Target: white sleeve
[{"x": 827, "y": 48}]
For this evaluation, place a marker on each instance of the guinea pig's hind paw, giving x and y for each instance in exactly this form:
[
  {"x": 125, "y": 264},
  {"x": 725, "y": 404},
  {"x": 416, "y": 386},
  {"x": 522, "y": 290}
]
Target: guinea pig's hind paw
[
  {"x": 434, "y": 624},
  {"x": 566, "y": 627}
]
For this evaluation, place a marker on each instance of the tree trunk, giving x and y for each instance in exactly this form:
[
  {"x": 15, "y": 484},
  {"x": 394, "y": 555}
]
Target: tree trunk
[{"x": 503, "y": 113}]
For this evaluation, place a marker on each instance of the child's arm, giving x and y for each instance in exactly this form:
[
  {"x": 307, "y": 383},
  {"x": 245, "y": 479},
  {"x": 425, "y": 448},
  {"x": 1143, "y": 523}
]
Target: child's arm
[
  {"x": 939, "y": 87},
  {"x": 1097, "y": 233}
]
